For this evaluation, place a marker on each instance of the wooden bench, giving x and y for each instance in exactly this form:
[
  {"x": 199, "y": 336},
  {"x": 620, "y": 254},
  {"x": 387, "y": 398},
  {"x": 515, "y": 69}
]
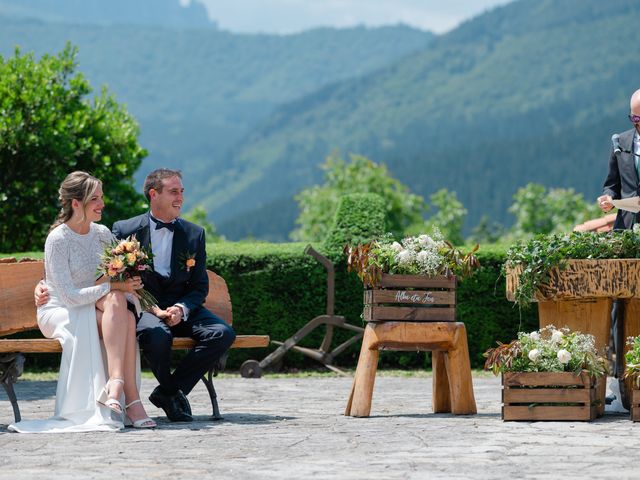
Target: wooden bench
[{"x": 18, "y": 314}]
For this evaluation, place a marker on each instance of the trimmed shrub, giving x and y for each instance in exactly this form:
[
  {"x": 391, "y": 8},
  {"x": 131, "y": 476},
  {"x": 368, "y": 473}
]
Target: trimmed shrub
[{"x": 360, "y": 218}]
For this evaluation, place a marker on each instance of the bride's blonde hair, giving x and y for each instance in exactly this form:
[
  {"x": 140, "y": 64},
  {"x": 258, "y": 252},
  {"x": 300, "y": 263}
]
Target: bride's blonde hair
[{"x": 77, "y": 186}]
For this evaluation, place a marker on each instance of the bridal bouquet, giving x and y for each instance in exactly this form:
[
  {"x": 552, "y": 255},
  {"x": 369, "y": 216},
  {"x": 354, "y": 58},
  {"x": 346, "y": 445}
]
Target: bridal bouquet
[
  {"x": 547, "y": 350},
  {"x": 125, "y": 259}
]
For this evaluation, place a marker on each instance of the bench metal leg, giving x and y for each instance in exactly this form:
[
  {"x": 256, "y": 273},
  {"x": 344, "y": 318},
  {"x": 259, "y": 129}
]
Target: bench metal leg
[
  {"x": 11, "y": 367},
  {"x": 208, "y": 382}
]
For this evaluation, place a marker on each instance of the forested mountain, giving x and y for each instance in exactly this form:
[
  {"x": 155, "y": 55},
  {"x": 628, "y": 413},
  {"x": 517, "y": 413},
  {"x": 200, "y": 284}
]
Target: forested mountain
[
  {"x": 198, "y": 92},
  {"x": 168, "y": 13},
  {"x": 529, "y": 92}
]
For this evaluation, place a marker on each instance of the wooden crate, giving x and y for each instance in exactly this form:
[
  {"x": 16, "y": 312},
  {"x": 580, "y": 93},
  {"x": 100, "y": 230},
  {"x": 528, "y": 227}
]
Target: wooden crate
[
  {"x": 634, "y": 403},
  {"x": 411, "y": 298},
  {"x": 552, "y": 396}
]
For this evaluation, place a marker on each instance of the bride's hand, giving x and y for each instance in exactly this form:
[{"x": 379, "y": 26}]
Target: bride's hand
[{"x": 130, "y": 285}]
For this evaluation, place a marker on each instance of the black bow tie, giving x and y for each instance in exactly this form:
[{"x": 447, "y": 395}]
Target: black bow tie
[{"x": 159, "y": 224}]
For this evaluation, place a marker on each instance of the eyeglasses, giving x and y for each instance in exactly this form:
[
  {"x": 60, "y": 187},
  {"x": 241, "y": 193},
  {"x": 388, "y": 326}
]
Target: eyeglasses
[{"x": 634, "y": 118}]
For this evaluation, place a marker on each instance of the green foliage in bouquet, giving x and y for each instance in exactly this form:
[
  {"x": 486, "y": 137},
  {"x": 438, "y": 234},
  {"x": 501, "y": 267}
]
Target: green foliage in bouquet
[
  {"x": 547, "y": 350},
  {"x": 539, "y": 256},
  {"x": 428, "y": 255},
  {"x": 632, "y": 358}
]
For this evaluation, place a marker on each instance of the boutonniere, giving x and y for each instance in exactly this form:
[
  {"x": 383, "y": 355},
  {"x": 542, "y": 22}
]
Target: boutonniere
[{"x": 188, "y": 261}]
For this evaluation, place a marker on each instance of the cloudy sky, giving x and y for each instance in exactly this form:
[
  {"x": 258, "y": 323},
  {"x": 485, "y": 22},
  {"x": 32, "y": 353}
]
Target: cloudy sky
[{"x": 291, "y": 16}]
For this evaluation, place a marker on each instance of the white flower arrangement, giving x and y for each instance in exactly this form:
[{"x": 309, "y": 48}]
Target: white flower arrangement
[
  {"x": 428, "y": 255},
  {"x": 547, "y": 350},
  {"x": 421, "y": 255}
]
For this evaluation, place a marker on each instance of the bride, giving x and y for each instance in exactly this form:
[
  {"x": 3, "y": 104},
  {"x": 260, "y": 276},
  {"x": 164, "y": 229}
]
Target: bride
[{"x": 79, "y": 313}]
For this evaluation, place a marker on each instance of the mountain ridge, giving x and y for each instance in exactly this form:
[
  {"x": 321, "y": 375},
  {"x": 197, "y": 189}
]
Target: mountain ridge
[{"x": 512, "y": 83}]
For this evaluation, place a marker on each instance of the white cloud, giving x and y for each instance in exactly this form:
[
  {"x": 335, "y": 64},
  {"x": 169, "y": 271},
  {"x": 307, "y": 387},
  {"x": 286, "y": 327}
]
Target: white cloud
[{"x": 291, "y": 16}]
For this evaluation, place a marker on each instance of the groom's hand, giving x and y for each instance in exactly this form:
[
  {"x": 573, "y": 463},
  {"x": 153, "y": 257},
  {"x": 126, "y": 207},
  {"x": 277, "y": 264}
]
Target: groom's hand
[
  {"x": 175, "y": 316},
  {"x": 41, "y": 294}
]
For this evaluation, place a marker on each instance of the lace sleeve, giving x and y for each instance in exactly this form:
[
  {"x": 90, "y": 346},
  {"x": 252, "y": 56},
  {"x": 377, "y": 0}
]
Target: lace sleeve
[{"x": 57, "y": 256}]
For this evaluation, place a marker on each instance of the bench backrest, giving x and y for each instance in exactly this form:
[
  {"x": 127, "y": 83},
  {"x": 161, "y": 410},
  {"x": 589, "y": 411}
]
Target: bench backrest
[{"x": 18, "y": 312}]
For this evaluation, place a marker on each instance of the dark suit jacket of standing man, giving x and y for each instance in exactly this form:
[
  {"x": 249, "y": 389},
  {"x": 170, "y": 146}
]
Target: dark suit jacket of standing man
[
  {"x": 622, "y": 180},
  {"x": 188, "y": 286}
]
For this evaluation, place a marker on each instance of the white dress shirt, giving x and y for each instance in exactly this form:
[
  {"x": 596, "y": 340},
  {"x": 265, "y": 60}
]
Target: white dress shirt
[
  {"x": 161, "y": 246},
  {"x": 636, "y": 147}
]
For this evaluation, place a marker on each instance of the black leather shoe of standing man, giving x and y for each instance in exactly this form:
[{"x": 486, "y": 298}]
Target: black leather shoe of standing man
[{"x": 172, "y": 405}]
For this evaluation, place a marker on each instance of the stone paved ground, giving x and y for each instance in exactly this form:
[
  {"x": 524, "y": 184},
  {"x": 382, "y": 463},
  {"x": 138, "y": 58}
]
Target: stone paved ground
[{"x": 294, "y": 428}]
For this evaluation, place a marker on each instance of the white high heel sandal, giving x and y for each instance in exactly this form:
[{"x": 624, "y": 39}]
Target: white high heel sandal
[
  {"x": 142, "y": 423},
  {"x": 112, "y": 404}
]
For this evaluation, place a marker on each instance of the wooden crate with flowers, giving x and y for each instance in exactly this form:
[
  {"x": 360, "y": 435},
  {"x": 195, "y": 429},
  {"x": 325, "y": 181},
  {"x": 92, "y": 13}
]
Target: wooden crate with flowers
[
  {"x": 574, "y": 279},
  {"x": 550, "y": 374},
  {"x": 632, "y": 374},
  {"x": 410, "y": 302}
]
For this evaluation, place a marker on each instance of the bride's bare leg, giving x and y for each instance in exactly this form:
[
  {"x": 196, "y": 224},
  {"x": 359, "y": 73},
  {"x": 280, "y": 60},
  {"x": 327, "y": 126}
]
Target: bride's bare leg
[
  {"x": 112, "y": 314},
  {"x": 131, "y": 393}
]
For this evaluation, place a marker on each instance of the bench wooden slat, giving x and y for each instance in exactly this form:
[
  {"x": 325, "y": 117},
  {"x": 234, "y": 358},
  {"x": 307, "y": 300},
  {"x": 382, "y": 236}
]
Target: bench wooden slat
[
  {"x": 47, "y": 345},
  {"x": 17, "y": 308}
]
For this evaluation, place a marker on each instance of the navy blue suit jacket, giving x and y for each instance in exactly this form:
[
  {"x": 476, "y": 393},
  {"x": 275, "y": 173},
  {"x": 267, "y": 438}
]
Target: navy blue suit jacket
[
  {"x": 622, "y": 180},
  {"x": 187, "y": 287}
]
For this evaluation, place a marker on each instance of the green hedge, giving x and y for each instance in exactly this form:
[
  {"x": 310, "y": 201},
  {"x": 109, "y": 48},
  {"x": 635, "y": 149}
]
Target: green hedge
[{"x": 275, "y": 289}]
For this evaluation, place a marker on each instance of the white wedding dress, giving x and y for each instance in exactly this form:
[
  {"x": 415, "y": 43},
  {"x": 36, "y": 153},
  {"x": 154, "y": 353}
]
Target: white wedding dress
[{"x": 71, "y": 262}]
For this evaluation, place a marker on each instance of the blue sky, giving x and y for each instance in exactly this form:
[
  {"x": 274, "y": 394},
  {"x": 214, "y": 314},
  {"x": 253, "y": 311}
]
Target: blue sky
[{"x": 292, "y": 16}]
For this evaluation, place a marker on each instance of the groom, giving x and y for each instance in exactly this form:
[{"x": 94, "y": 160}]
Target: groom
[{"x": 180, "y": 284}]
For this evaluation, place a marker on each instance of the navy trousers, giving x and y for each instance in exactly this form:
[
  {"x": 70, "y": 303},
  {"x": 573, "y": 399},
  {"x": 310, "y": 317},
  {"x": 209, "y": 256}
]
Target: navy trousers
[{"x": 213, "y": 338}]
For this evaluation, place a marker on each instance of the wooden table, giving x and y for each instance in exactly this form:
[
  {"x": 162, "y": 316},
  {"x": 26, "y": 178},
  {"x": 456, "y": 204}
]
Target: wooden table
[{"x": 580, "y": 298}]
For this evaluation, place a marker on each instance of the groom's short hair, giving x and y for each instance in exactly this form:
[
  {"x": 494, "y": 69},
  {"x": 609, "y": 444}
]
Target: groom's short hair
[{"x": 154, "y": 180}]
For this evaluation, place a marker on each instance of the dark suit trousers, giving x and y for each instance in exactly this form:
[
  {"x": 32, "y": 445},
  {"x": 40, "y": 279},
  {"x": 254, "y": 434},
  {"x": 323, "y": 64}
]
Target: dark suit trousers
[{"x": 213, "y": 338}]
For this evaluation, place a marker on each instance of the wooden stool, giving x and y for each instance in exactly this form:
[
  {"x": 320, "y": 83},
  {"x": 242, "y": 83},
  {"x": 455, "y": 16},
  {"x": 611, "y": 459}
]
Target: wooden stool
[
  {"x": 422, "y": 317},
  {"x": 452, "y": 385}
]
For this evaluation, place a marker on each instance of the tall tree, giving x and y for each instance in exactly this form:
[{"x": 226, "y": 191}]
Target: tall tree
[
  {"x": 358, "y": 175},
  {"x": 49, "y": 128}
]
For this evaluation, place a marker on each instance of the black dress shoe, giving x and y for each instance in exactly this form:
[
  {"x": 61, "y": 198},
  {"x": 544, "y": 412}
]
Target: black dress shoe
[
  {"x": 608, "y": 400},
  {"x": 182, "y": 398},
  {"x": 171, "y": 404}
]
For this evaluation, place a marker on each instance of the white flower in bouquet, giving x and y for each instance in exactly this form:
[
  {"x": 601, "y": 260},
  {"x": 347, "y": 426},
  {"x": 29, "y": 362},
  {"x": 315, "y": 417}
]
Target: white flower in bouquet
[
  {"x": 556, "y": 336},
  {"x": 534, "y": 355},
  {"x": 564, "y": 356},
  {"x": 535, "y": 336},
  {"x": 405, "y": 257},
  {"x": 426, "y": 240},
  {"x": 636, "y": 229},
  {"x": 396, "y": 247}
]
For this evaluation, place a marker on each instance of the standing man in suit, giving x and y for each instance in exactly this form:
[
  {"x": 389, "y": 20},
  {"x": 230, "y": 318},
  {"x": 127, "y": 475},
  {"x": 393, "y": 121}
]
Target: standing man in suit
[
  {"x": 180, "y": 284},
  {"x": 623, "y": 181},
  {"x": 623, "y": 177}
]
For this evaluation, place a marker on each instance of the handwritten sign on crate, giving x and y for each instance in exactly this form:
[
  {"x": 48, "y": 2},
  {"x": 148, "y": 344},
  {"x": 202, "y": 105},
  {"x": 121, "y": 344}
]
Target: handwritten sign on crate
[{"x": 411, "y": 298}]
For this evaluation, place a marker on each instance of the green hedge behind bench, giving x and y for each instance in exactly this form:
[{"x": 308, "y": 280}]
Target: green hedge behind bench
[{"x": 275, "y": 289}]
